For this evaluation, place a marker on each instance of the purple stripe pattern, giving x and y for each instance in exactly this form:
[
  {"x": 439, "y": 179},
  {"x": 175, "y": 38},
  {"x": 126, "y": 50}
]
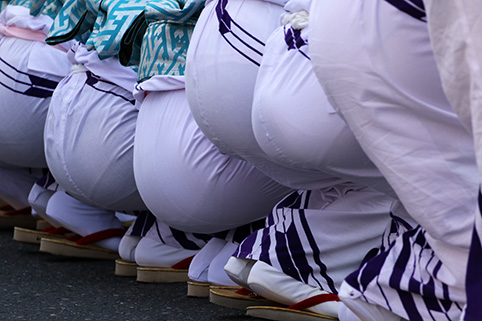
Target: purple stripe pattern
[
  {"x": 414, "y": 8},
  {"x": 473, "y": 311},
  {"x": 143, "y": 223},
  {"x": 294, "y": 41},
  {"x": 281, "y": 241},
  {"x": 92, "y": 80},
  {"x": 418, "y": 293},
  {"x": 243, "y": 42},
  {"x": 24, "y": 83}
]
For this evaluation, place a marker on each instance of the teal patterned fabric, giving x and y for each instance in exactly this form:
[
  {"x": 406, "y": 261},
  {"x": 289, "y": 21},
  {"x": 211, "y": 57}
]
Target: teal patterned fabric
[
  {"x": 174, "y": 11},
  {"x": 114, "y": 19},
  {"x": 46, "y": 7},
  {"x": 23, "y": 3},
  {"x": 3, "y": 4},
  {"x": 166, "y": 40},
  {"x": 75, "y": 19},
  {"x": 164, "y": 49}
]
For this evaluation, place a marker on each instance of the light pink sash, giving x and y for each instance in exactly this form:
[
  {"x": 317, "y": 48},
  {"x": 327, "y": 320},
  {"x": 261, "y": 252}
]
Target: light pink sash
[{"x": 26, "y": 34}]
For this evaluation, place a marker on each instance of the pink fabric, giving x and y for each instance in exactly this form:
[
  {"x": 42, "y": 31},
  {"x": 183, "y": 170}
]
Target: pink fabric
[{"x": 26, "y": 34}]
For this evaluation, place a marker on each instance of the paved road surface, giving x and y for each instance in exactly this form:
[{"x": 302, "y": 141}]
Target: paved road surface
[{"x": 38, "y": 286}]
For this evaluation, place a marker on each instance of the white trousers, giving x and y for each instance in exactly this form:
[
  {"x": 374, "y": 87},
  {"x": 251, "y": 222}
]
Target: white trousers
[
  {"x": 183, "y": 178},
  {"x": 376, "y": 66},
  {"x": 220, "y": 79},
  {"x": 25, "y": 96},
  {"x": 24, "y": 103},
  {"x": 89, "y": 137},
  {"x": 295, "y": 125}
]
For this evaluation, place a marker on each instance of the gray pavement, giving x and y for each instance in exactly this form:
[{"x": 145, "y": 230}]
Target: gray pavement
[{"x": 39, "y": 286}]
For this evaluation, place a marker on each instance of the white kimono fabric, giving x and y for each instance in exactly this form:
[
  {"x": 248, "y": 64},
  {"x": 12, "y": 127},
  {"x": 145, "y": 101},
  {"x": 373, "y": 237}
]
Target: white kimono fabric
[
  {"x": 30, "y": 71},
  {"x": 89, "y": 134},
  {"x": 222, "y": 64},
  {"x": 376, "y": 65},
  {"x": 455, "y": 30},
  {"x": 182, "y": 177}
]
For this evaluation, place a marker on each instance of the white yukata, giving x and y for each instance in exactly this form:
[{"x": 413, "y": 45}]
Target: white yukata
[
  {"x": 89, "y": 133},
  {"x": 319, "y": 236},
  {"x": 375, "y": 63},
  {"x": 455, "y": 29},
  {"x": 183, "y": 178},
  {"x": 30, "y": 71},
  {"x": 90, "y": 152},
  {"x": 222, "y": 64}
]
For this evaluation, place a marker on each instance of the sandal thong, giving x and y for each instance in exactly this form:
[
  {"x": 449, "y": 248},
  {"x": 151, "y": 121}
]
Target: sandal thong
[
  {"x": 82, "y": 247},
  {"x": 25, "y": 235},
  {"x": 237, "y": 298},
  {"x": 295, "y": 312}
]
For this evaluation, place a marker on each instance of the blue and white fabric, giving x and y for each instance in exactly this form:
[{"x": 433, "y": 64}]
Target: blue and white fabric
[
  {"x": 165, "y": 44},
  {"x": 75, "y": 18},
  {"x": 114, "y": 19},
  {"x": 46, "y": 7}
]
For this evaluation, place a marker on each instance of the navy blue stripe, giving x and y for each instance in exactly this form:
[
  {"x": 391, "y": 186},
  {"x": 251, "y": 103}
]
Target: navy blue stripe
[
  {"x": 316, "y": 252},
  {"x": 241, "y": 53},
  {"x": 247, "y": 245},
  {"x": 290, "y": 201},
  {"x": 148, "y": 223},
  {"x": 402, "y": 261},
  {"x": 224, "y": 16},
  {"x": 474, "y": 278},
  {"x": 221, "y": 235},
  {"x": 418, "y": 3},
  {"x": 398, "y": 270},
  {"x": 284, "y": 258},
  {"x": 143, "y": 223},
  {"x": 93, "y": 79},
  {"x": 265, "y": 246},
  {"x": 409, "y": 306},
  {"x": 409, "y": 9},
  {"x": 46, "y": 180},
  {"x": 181, "y": 238},
  {"x": 294, "y": 41},
  {"x": 299, "y": 256},
  {"x": 202, "y": 237},
  {"x": 474, "y": 275},
  {"x": 225, "y": 21},
  {"x": 401, "y": 221},
  {"x": 159, "y": 233},
  {"x": 38, "y": 93},
  {"x": 35, "y": 80},
  {"x": 242, "y": 232},
  {"x": 43, "y": 82}
]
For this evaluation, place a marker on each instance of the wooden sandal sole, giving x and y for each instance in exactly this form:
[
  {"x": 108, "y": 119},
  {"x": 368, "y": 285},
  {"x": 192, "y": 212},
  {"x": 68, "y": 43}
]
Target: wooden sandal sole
[
  {"x": 125, "y": 268},
  {"x": 230, "y": 299},
  {"x": 25, "y": 235},
  {"x": 284, "y": 314},
  {"x": 161, "y": 275},
  {"x": 71, "y": 249}
]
